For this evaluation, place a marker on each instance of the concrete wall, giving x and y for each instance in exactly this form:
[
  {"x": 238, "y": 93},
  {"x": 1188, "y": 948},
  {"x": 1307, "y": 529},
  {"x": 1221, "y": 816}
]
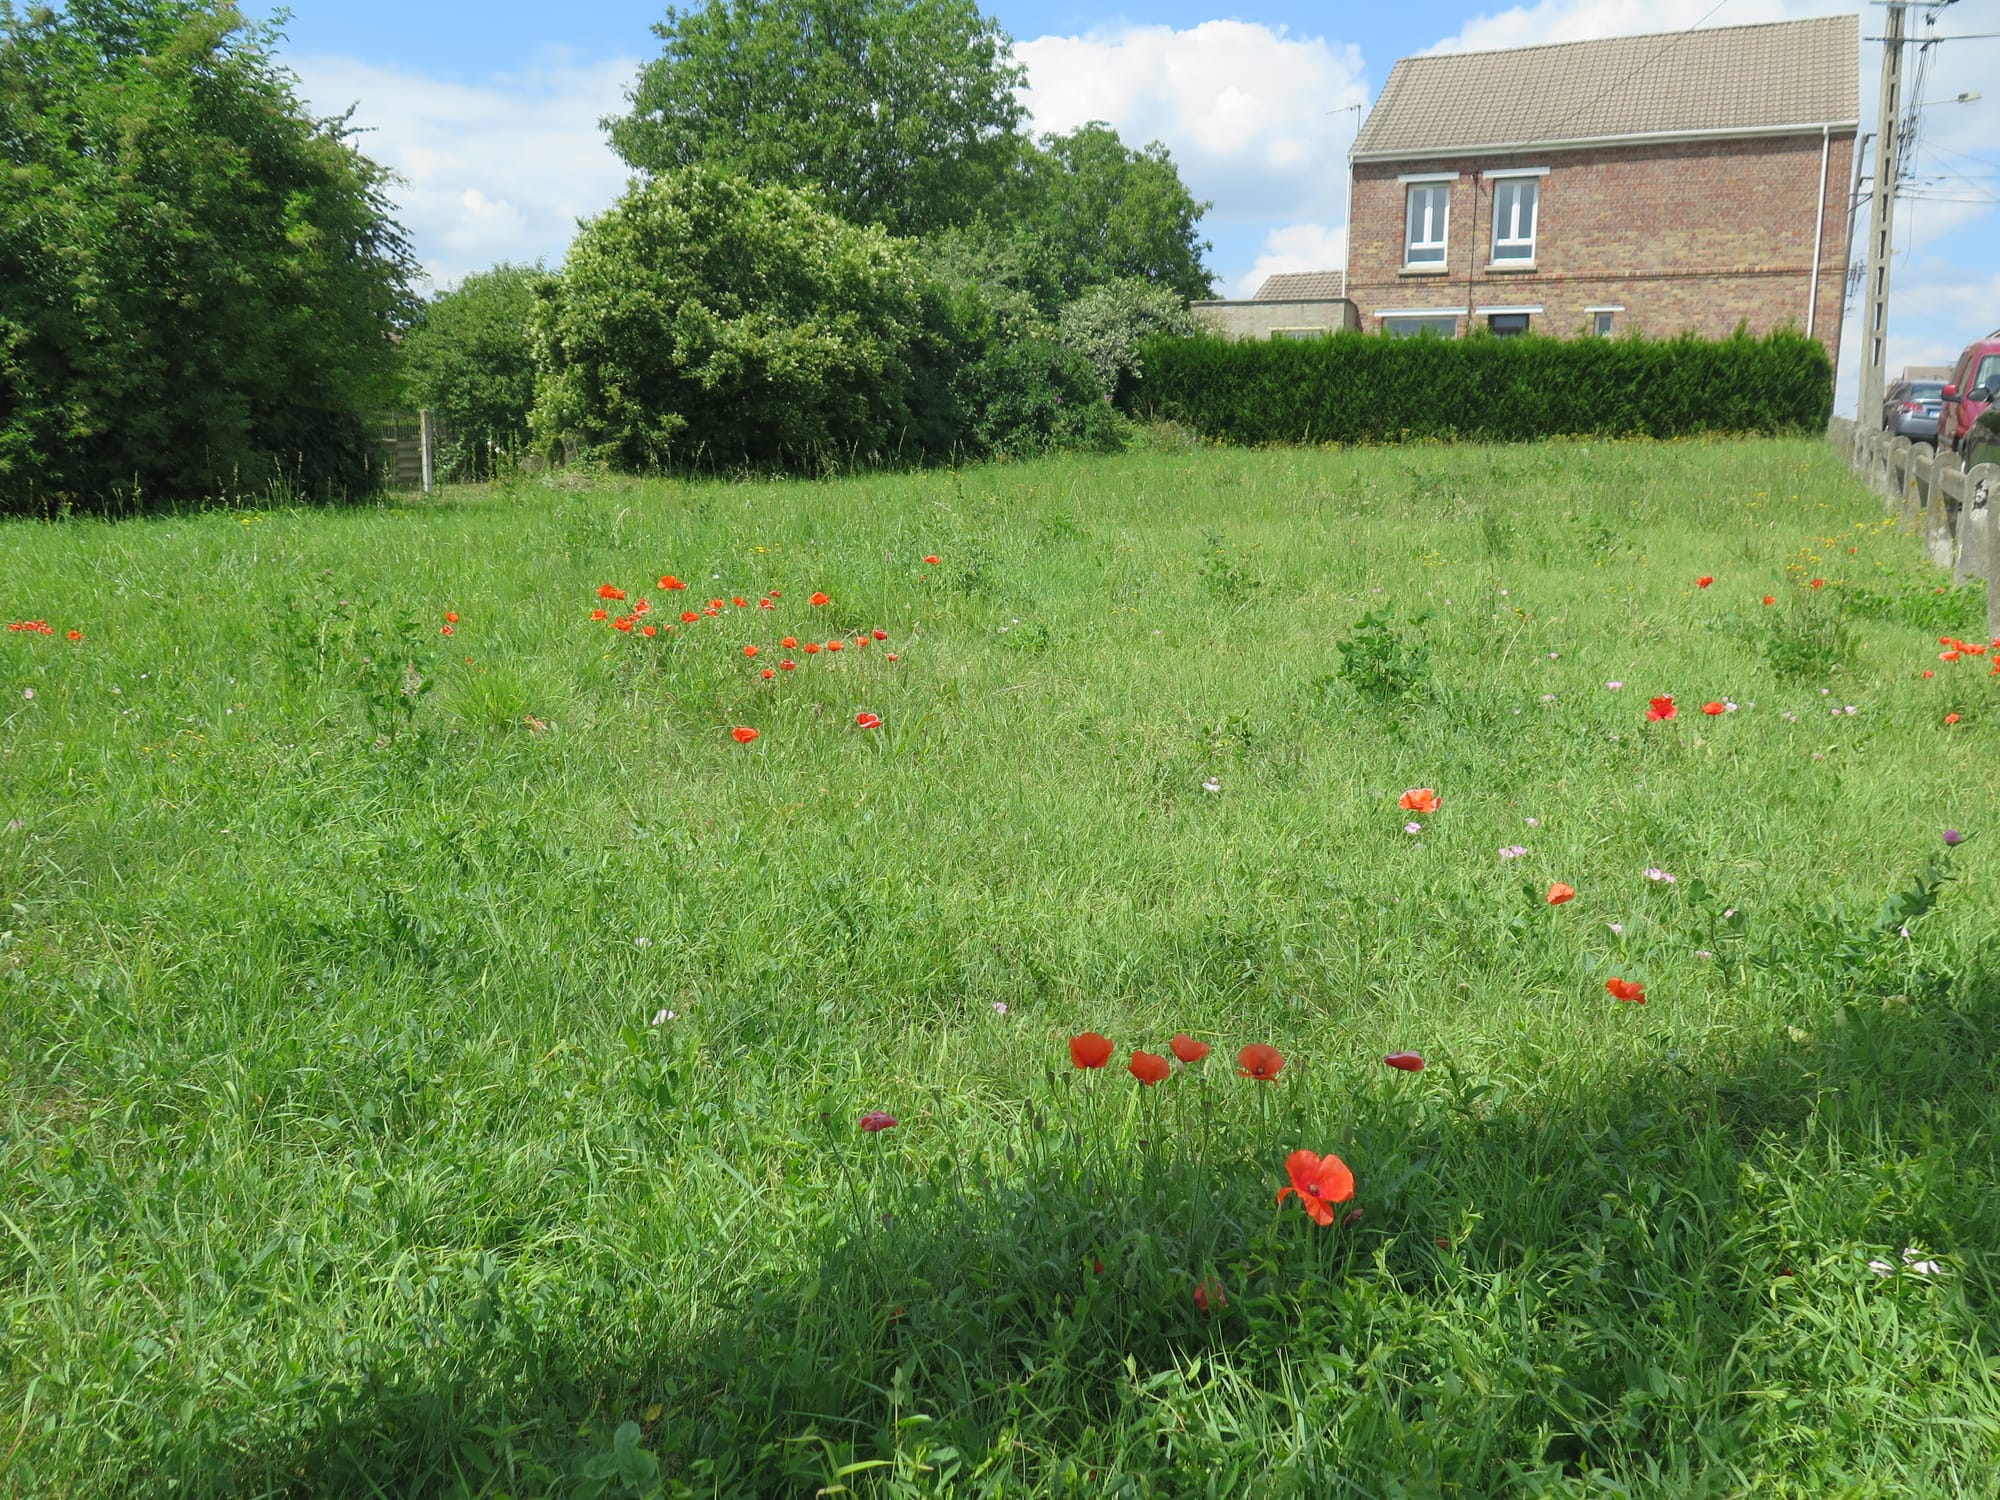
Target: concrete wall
[
  {"x": 1687, "y": 237},
  {"x": 1254, "y": 319}
]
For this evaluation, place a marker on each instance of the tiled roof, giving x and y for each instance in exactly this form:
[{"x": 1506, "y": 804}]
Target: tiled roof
[
  {"x": 1301, "y": 286},
  {"x": 1722, "y": 78}
]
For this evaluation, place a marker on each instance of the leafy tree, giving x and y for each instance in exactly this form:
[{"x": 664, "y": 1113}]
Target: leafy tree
[
  {"x": 701, "y": 318},
  {"x": 469, "y": 359},
  {"x": 1107, "y": 323},
  {"x": 897, "y": 112},
  {"x": 198, "y": 279},
  {"x": 1101, "y": 211}
]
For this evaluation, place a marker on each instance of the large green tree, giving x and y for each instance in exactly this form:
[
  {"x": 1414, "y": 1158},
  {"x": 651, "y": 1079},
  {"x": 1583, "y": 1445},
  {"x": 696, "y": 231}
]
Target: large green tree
[
  {"x": 199, "y": 279},
  {"x": 704, "y": 320},
  {"x": 900, "y": 113},
  {"x": 1100, "y": 211},
  {"x": 468, "y": 359}
]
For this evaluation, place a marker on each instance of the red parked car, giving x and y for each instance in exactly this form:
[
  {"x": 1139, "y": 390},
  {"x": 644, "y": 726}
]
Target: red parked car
[{"x": 1974, "y": 386}]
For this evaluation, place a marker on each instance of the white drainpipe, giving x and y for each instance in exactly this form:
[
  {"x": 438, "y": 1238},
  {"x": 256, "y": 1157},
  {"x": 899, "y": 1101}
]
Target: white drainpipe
[{"x": 1819, "y": 229}]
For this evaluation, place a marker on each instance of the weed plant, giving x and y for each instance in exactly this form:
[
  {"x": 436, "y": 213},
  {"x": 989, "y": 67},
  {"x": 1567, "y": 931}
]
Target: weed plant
[{"x": 435, "y": 1064}]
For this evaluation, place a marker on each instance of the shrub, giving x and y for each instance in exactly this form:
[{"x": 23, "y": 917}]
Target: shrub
[
  {"x": 198, "y": 278},
  {"x": 1033, "y": 396},
  {"x": 703, "y": 319},
  {"x": 1358, "y": 388},
  {"x": 469, "y": 359},
  {"x": 1107, "y": 324}
]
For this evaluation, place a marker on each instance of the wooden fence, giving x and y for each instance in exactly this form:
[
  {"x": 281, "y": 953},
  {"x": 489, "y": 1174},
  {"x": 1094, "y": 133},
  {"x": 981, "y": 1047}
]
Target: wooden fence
[
  {"x": 406, "y": 445},
  {"x": 1950, "y": 509}
]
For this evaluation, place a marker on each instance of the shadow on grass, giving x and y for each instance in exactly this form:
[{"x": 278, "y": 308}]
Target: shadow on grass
[{"x": 1657, "y": 1283}]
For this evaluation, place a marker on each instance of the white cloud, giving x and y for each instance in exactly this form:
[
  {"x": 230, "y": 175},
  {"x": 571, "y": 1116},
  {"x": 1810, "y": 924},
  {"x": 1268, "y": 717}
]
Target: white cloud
[
  {"x": 1294, "y": 247},
  {"x": 1585, "y": 20},
  {"x": 1252, "y": 115},
  {"x": 495, "y": 171}
]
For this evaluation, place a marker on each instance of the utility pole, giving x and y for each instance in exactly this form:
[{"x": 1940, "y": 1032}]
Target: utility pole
[{"x": 1882, "y": 221}]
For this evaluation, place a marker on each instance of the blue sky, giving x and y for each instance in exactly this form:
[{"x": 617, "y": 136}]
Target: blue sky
[{"x": 488, "y": 112}]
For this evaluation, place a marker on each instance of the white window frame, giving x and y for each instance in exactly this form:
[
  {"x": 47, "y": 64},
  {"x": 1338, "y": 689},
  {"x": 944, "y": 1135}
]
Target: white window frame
[
  {"x": 1427, "y": 184},
  {"x": 1520, "y": 249},
  {"x": 1598, "y": 310},
  {"x": 1449, "y": 315}
]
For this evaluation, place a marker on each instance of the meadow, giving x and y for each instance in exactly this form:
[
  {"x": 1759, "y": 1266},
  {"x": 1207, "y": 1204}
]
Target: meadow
[{"x": 439, "y": 1055}]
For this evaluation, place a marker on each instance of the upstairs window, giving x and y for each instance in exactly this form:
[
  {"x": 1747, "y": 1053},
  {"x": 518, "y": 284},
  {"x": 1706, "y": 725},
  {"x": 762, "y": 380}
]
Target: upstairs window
[
  {"x": 1514, "y": 219},
  {"x": 1424, "y": 224}
]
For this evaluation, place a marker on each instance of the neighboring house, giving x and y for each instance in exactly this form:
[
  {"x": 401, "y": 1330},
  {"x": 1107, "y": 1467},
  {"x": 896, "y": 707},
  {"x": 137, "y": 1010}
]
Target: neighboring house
[
  {"x": 1690, "y": 181},
  {"x": 1299, "y": 305}
]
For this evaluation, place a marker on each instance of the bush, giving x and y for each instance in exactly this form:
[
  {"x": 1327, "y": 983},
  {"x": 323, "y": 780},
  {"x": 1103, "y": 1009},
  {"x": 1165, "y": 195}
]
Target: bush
[
  {"x": 1033, "y": 396},
  {"x": 469, "y": 360},
  {"x": 701, "y": 319},
  {"x": 1107, "y": 324},
  {"x": 198, "y": 279},
  {"x": 1355, "y": 388}
]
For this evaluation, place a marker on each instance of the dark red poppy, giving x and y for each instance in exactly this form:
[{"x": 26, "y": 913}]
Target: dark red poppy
[
  {"x": 1187, "y": 1049},
  {"x": 1149, "y": 1067},
  {"x": 868, "y": 721},
  {"x": 1704, "y": 581},
  {"x": 878, "y": 1119},
  {"x": 1409, "y": 1062},
  {"x": 881, "y": 635},
  {"x": 1259, "y": 1060},
  {"x": 1320, "y": 1182},
  {"x": 1660, "y": 708},
  {"x": 769, "y": 672},
  {"x": 1090, "y": 1050},
  {"x": 765, "y": 604},
  {"x": 1206, "y": 1292},
  {"x": 788, "y": 666}
]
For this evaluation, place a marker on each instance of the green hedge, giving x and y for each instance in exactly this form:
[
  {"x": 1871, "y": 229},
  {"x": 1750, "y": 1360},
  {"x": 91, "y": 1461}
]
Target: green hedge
[{"x": 1358, "y": 388}]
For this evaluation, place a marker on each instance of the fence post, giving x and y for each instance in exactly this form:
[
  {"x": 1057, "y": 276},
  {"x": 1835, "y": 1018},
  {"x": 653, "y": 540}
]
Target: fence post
[
  {"x": 1982, "y": 547},
  {"x": 424, "y": 444}
]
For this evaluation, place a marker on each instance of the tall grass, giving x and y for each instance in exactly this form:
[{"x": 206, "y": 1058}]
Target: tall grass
[{"x": 431, "y": 1065}]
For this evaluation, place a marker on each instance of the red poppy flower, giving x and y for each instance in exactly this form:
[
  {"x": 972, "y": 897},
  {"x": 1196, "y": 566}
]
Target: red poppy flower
[
  {"x": 1090, "y": 1050},
  {"x": 878, "y": 1119},
  {"x": 777, "y": 593},
  {"x": 765, "y": 604},
  {"x": 1259, "y": 1060},
  {"x": 688, "y": 617},
  {"x": 1629, "y": 990},
  {"x": 1951, "y": 718},
  {"x": 744, "y": 735},
  {"x": 739, "y": 601},
  {"x": 1409, "y": 1062},
  {"x": 811, "y": 648},
  {"x": 1320, "y": 1182},
  {"x": 1660, "y": 708},
  {"x": 713, "y": 609},
  {"x": 607, "y": 591},
  {"x": 1818, "y": 583},
  {"x": 624, "y": 624},
  {"x": 444, "y": 630},
  {"x": 749, "y": 650},
  {"x": 1947, "y": 656},
  {"x": 881, "y": 635},
  {"x": 819, "y": 599},
  {"x": 768, "y": 673},
  {"x": 1929, "y": 673},
  {"x": 651, "y": 629},
  {"x": 1559, "y": 893},
  {"x": 788, "y": 666},
  {"x": 1704, "y": 581},
  {"x": 450, "y": 617},
  {"x": 836, "y": 645},
  {"x": 932, "y": 558},
  {"x": 671, "y": 582},
  {"x": 600, "y": 614},
  {"x": 1419, "y": 799},
  {"x": 1204, "y": 1292},
  {"x": 1712, "y": 709},
  {"x": 77, "y": 635},
  {"x": 1187, "y": 1049},
  {"x": 789, "y": 642},
  {"x": 893, "y": 657},
  {"x": 869, "y": 721},
  {"x": 715, "y": 604},
  {"x": 1770, "y": 598},
  {"x": 1149, "y": 1067}
]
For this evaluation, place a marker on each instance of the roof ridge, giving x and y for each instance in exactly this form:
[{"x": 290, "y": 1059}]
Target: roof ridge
[{"x": 1630, "y": 36}]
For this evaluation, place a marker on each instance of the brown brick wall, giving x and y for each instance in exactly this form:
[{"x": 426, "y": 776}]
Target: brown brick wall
[{"x": 1689, "y": 237}]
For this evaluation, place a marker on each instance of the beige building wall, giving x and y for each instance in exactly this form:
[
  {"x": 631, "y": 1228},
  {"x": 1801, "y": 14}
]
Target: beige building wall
[{"x": 1252, "y": 318}]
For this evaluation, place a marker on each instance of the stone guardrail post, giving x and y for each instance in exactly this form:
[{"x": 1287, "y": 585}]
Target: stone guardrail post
[
  {"x": 1941, "y": 520},
  {"x": 1979, "y": 548},
  {"x": 1898, "y": 487}
]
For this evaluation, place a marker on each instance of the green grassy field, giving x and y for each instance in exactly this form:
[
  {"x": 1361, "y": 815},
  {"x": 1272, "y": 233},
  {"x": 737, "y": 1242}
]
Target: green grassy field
[{"x": 432, "y": 1065}]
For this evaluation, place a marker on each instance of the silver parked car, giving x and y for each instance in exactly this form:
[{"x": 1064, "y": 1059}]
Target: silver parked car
[{"x": 1911, "y": 408}]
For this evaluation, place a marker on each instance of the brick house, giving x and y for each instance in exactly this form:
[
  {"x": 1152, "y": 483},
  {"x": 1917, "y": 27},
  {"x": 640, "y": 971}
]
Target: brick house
[
  {"x": 1292, "y": 304},
  {"x": 1689, "y": 181}
]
